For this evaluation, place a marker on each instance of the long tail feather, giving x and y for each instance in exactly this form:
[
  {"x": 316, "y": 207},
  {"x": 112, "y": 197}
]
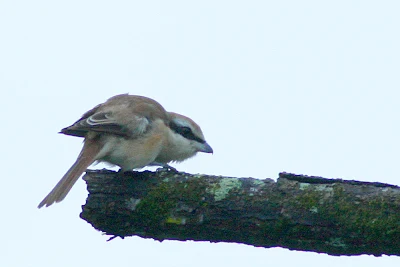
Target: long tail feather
[{"x": 87, "y": 156}]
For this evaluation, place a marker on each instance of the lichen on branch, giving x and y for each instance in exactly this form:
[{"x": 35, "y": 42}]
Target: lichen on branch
[{"x": 297, "y": 212}]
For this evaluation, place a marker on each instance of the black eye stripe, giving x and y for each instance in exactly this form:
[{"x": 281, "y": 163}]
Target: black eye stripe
[{"x": 185, "y": 132}]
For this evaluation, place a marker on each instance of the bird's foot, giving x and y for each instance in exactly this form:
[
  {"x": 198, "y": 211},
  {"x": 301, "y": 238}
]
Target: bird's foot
[{"x": 164, "y": 167}]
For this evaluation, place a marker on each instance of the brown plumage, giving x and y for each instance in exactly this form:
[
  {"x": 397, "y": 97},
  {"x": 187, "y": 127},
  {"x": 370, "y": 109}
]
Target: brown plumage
[
  {"x": 131, "y": 132},
  {"x": 85, "y": 159}
]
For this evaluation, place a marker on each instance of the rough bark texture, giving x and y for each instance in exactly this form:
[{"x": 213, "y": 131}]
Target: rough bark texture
[{"x": 297, "y": 212}]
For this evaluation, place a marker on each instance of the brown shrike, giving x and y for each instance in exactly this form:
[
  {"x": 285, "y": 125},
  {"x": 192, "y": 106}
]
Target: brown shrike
[{"x": 131, "y": 132}]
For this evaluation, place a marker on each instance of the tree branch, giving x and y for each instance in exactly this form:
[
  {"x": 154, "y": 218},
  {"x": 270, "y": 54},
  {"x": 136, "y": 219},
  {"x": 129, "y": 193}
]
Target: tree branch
[{"x": 297, "y": 212}]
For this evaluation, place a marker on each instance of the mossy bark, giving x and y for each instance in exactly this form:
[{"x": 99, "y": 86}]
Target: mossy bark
[{"x": 297, "y": 212}]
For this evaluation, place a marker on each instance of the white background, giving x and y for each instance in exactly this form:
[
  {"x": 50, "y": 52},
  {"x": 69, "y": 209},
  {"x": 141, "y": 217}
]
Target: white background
[{"x": 310, "y": 87}]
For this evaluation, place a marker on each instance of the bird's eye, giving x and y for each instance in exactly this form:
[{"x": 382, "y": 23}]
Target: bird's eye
[{"x": 186, "y": 130}]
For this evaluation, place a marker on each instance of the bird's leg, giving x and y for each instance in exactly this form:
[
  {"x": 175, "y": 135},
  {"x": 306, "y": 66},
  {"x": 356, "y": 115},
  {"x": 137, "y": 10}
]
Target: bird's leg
[{"x": 164, "y": 167}]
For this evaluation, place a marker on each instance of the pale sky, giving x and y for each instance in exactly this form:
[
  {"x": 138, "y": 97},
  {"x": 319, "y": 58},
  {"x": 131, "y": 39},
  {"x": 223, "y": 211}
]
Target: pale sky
[{"x": 308, "y": 87}]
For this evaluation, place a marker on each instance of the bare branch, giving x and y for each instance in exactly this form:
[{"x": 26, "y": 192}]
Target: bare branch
[{"x": 297, "y": 212}]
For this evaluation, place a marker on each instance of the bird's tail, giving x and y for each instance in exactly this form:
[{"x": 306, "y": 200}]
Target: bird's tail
[{"x": 87, "y": 156}]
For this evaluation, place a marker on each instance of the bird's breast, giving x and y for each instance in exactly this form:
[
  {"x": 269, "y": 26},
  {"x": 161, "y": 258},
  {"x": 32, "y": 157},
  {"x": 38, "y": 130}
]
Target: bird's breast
[{"x": 131, "y": 154}]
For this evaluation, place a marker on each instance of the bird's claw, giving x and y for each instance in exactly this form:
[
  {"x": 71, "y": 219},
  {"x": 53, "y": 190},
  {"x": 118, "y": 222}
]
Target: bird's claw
[{"x": 166, "y": 168}]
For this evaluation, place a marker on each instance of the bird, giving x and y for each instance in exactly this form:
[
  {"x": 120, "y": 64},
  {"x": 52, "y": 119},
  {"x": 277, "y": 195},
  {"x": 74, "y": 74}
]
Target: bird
[{"x": 129, "y": 131}]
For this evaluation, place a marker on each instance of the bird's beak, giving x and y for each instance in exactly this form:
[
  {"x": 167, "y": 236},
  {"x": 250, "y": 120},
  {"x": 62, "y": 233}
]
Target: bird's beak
[{"x": 206, "y": 148}]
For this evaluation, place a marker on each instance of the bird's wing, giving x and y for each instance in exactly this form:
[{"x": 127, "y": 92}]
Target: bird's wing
[{"x": 123, "y": 115}]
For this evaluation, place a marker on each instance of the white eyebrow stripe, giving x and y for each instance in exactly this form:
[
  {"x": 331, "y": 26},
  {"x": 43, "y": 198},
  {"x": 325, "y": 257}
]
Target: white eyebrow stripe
[{"x": 181, "y": 123}]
